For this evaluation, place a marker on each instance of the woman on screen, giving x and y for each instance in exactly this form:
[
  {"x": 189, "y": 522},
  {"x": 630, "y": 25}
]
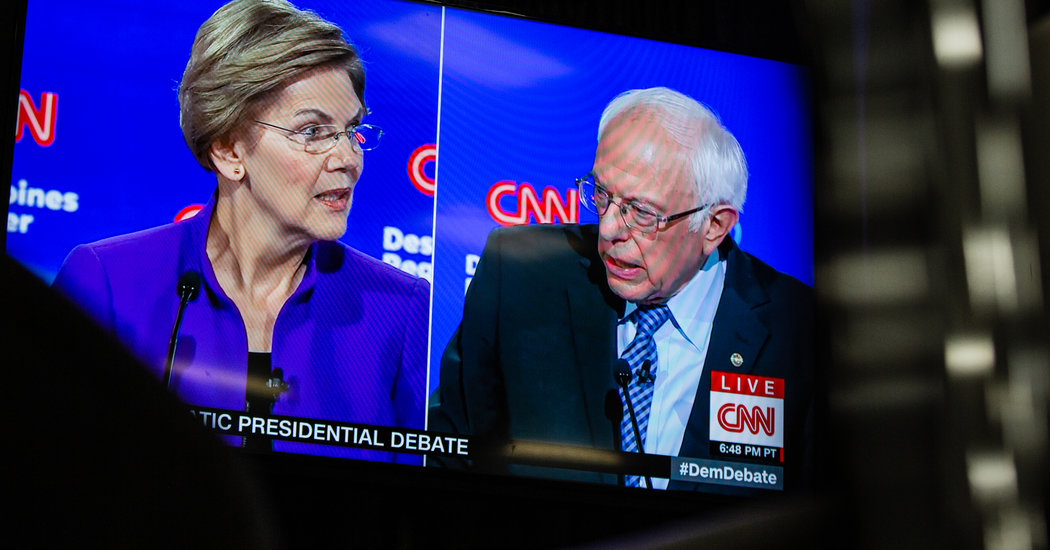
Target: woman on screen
[{"x": 284, "y": 319}]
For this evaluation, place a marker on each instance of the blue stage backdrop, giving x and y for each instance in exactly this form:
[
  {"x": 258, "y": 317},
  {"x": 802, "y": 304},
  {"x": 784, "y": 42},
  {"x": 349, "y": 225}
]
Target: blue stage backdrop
[{"x": 513, "y": 106}]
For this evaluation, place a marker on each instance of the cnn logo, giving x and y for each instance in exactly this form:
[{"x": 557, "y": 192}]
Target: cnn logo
[
  {"x": 735, "y": 418},
  {"x": 527, "y": 203}
]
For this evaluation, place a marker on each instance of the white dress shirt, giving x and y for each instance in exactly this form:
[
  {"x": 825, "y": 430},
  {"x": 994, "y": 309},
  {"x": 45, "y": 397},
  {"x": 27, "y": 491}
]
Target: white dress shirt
[{"x": 681, "y": 346}]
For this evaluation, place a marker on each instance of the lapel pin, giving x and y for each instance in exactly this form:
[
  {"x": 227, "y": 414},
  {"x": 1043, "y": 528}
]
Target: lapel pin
[{"x": 736, "y": 359}]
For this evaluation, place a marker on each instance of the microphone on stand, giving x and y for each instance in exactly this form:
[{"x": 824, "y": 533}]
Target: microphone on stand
[
  {"x": 187, "y": 289},
  {"x": 622, "y": 375}
]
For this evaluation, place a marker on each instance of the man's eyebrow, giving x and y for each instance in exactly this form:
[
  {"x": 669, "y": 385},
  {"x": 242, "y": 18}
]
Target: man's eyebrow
[{"x": 646, "y": 204}]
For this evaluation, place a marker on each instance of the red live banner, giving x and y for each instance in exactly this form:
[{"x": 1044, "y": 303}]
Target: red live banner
[{"x": 746, "y": 384}]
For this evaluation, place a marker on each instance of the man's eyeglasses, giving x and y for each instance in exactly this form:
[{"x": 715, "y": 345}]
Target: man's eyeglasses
[
  {"x": 597, "y": 199},
  {"x": 322, "y": 138}
]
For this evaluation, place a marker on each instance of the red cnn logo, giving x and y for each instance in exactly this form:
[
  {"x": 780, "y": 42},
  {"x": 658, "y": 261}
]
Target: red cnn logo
[
  {"x": 734, "y": 418},
  {"x": 528, "y": 202},
  {"x": 41, "y": 122}
]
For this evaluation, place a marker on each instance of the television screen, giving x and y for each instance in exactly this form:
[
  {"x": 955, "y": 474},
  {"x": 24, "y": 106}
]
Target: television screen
[{"x": 487, "y": 122}]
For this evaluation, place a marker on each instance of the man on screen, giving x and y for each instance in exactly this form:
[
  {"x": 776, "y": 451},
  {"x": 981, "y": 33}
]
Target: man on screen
[{"x": 717, "y": 343}]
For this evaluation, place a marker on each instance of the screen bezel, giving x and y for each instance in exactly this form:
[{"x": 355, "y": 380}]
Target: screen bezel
[{"x": 292, "y": 476}]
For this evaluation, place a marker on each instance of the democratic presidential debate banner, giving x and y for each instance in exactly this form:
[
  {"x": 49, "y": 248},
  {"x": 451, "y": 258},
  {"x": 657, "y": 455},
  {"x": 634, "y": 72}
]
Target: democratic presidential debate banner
[
  {"x": 520, "y": 106},
  {"x": 99, "y": 150}
]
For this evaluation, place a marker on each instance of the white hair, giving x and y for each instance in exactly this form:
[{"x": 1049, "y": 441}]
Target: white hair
[{"x": 718, "y": 166}]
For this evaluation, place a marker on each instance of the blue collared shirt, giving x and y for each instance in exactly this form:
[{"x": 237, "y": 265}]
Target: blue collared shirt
[{"x": 681, "y": 346}]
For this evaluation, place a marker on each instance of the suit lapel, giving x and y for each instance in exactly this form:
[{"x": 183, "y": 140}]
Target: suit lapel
[
  {"x": 593, "y": 311},
  {"x": 738, "y": 333}
]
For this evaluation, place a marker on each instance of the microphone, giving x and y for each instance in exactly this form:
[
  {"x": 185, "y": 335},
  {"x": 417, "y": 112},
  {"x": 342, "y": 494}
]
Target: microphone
[
  {"x": 189, "y": 286},
  {"x": 644, "y": 376},
  {"x": 622, "y": 375},
  {"x": 187, "y": 289},
  {"x": 276, "y": 385}
]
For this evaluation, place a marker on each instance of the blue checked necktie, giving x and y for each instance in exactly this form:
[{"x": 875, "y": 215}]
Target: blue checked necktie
[{"x": 643, "y": 348}]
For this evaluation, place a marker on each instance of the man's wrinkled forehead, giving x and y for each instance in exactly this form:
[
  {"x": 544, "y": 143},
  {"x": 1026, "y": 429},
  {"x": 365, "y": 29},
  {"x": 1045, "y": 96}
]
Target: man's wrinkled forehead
[{"x": 637, "y": 143}]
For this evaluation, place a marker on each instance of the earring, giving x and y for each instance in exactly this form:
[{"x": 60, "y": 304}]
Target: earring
[{"x": 237, "y": 170}]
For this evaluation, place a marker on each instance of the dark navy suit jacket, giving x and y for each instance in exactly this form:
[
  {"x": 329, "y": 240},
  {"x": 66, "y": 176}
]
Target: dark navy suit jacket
[
  {"x": 351, "y": 340},
  {"x": 533, "y": 356}
]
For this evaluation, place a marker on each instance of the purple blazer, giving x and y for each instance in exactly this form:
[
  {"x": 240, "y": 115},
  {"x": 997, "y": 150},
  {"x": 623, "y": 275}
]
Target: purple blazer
[{"x": 351, "y": 340}]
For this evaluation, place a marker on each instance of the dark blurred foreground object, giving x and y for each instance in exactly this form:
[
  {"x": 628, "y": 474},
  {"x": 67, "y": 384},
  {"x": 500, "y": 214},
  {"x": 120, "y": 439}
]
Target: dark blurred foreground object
[{"x": 103, "y": 455}]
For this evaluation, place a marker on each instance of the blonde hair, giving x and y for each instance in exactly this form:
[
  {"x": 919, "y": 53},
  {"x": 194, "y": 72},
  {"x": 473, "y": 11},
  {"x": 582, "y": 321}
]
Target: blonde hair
[{"x": 246, "y": 50}]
